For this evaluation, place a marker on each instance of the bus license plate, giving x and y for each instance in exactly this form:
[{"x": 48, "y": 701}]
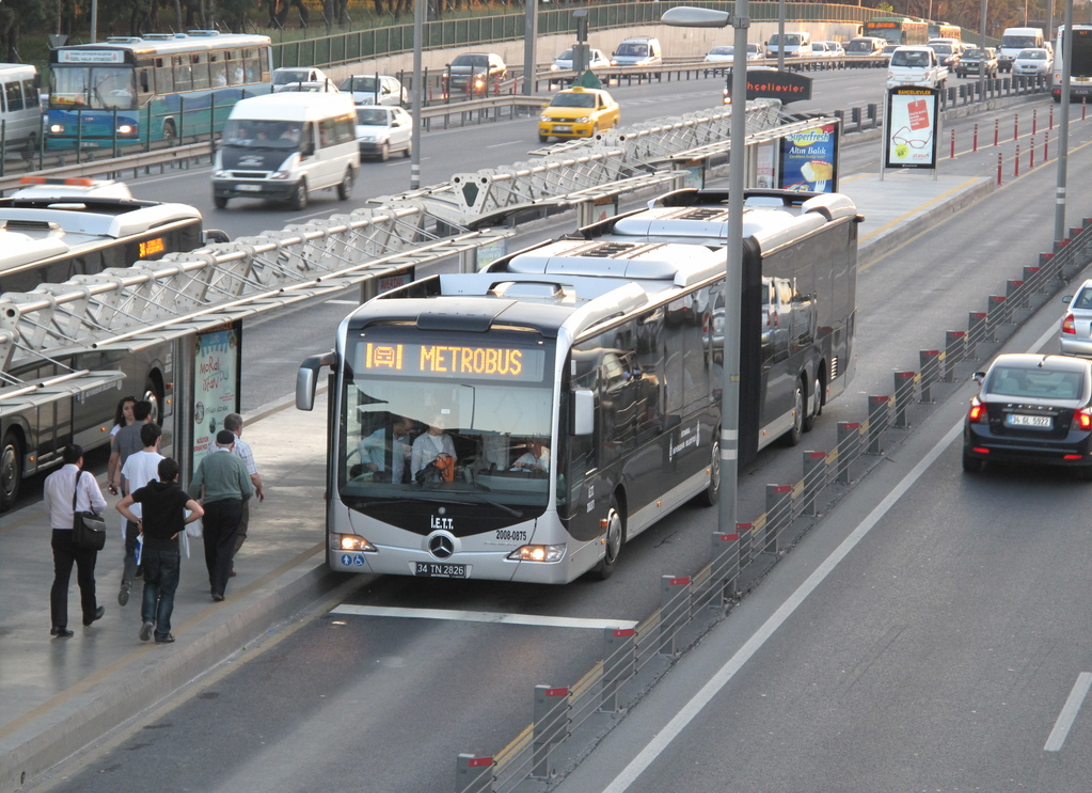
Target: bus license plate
[
  {"x": 1043, "y": 422},
  {"x": 439, "y": 570}
]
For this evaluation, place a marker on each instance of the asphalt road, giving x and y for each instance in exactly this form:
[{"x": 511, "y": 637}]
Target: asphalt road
[{"x": 934, "y": 657}]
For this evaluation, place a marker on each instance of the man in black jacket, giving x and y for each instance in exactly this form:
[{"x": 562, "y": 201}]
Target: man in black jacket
[{"x": 163, "y": 519}]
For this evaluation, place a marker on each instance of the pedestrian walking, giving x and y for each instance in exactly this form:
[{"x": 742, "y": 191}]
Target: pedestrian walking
[
  {"x": 222, "y": 482},
  {"x": 123, "y": 417},
  {"x": 126, "y": 443},
  {"x": 162, "y": 520},
  {"x": 59, "y": 488},
  {"x": 139, "y": 469},
  {"x": 233, "y": 422}
]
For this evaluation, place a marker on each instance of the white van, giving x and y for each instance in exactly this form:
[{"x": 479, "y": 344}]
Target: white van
[
  {"x": 797, "y": 45},
  {"x": 20, "y": 106},
  {"x": 286, "y": 146},
  {"x": 1012, "y": 41}
]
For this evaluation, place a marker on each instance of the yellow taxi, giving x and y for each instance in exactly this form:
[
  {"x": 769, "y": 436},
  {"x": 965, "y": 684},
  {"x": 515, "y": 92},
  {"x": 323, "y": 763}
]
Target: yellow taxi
[{"x": 577, "y": 113}]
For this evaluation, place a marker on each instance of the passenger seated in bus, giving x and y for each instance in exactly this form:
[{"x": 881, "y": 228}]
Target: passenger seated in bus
[
  {"x": 433, "y": 446},
  {"x": 536, "y": 460},
  {"x": 385, "y": 451}
]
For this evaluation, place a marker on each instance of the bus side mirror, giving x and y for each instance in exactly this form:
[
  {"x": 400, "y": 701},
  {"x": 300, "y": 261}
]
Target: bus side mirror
[
  {"x": 307, "y": 377},
  {"x": 583, "y": 412}
]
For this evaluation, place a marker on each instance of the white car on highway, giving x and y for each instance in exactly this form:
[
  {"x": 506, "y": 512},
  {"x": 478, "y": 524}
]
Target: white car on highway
[{"x": 382, "y": 129}]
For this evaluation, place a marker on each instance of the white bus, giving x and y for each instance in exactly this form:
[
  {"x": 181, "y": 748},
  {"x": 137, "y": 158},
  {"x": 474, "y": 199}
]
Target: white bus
[
  {"x": 50, "y": 239},
  {"x": 20, "y": 105},
  {"x": 523, "y": 422}
]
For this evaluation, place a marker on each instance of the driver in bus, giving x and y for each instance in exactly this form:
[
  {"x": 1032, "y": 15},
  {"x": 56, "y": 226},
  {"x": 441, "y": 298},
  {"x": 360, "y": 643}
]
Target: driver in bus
[
  {"x": 536, "y": 460},
  {"x": 382, "y": 446}
]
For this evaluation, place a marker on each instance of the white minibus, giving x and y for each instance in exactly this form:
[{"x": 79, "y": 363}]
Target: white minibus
[{"x": 286, "y": 146}]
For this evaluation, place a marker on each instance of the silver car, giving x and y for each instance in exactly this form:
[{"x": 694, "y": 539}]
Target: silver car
[
  {"x": 1076, "y": 335},
  {"x": 1032, "y": 62}
]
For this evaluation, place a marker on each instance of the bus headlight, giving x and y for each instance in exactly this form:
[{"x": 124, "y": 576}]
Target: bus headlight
[
  {"x": 350, "y": 542},
  {"x": 538, "y": 553},
  {"x": 126, "y": 129},
  {"x": 56, "y": 129}
]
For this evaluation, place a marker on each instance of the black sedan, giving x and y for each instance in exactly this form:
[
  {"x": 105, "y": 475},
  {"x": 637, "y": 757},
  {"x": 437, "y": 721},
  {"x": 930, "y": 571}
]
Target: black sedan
[{"x": 1031, "y": 409}]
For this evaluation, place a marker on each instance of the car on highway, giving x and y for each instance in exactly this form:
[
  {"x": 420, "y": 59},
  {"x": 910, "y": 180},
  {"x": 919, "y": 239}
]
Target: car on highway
[
  {"x": 1076, "y": 335},
  {"x": 865, "y": 47},
  {"x": 831, "y": 49},
  {"x": 577, "y": 113},
  {"x": 1032, "y": 62},
  {"x": 474, "y": 73},
  {"x": 296, "y": 74},
  {"x": 947, "y": 53},
  {"x": 382, "y": 129},
  {"x": 725, "y": 53},
  {"x": 888, "y": 49},
  {"x": 638, "y": 51},
  {"x": 375, "y": 89},
  {"x": 310, "y": 87},
  {"x": 1033, "y": 409},
  {"x": 597, "y": 59},
  {"x": 976, "y": 62},
  {"x": 916, "y": 66}
]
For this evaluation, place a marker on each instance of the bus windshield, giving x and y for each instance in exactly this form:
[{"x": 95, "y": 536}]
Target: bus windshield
[
  {"x": 94, "y": 87},
  {"x": 471, "y": 421}
]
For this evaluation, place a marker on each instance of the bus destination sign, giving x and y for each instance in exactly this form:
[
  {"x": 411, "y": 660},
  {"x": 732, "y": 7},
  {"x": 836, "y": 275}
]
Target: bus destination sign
[{"x": 431, "y": 360}]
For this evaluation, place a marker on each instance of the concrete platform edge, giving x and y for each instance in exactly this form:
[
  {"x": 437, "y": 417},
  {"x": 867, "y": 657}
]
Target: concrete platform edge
[{"x": 121, "y": 697}]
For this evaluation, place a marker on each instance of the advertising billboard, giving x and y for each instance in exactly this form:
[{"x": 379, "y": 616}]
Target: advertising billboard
[{"x": 912, "y": 129}]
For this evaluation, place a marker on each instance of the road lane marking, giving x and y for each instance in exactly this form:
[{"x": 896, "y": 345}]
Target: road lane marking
[
  {"x": 482, "y": 616},
  {"x": 655, "y": 747},
  {"x": 1069, "y": 713}
]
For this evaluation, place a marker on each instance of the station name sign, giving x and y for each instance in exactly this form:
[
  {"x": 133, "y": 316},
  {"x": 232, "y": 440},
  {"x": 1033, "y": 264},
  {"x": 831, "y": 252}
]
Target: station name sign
[{"x": 774, "y": 84}]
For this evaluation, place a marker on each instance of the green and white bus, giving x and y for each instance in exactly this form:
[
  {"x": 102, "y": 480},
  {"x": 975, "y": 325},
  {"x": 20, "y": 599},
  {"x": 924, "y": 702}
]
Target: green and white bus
[{"x": 156, "y": 87}]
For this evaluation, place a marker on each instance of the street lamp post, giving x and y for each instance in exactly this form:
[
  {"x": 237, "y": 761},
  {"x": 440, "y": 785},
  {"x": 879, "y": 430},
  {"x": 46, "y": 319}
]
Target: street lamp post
[
  {"x": 418, "y": 97},
  {"x": 687, "y": 16}
]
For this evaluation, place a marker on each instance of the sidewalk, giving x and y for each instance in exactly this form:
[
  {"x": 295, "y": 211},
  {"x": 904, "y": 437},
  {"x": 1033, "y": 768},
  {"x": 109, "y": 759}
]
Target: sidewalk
[{"x": 58, "y": 695}]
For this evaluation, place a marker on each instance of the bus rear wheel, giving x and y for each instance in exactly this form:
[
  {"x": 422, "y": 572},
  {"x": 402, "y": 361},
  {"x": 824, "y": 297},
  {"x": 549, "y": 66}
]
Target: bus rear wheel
[
  {"x": 796, "y": 432},
  {"x": 169, "y": 132},
  {"x": 711, "y": 495},
  {"x": 11, "y": 470},
  {"x": 616, "y": 536}
]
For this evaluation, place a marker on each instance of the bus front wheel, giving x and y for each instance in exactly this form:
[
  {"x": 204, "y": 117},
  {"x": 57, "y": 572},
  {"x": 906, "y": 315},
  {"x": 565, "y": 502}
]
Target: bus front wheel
[
  {"x": 711, "y": 495},
  {"x": 169, "y": 133},
  {"x": 11, "y": 470},
  {"x": 615, "y": 537}
]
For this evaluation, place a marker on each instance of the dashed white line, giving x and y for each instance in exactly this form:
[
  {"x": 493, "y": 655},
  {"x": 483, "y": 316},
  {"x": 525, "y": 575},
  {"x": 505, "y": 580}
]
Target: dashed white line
[
  {"x": 1069, "y": 713},
  {"x": 482, "y": 616}
]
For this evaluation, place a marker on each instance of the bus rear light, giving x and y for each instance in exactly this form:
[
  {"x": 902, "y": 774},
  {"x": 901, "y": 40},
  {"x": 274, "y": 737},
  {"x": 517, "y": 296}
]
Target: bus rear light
[
  {"x": 350, "y": 542},
  {"x": 538, "y": 553}
]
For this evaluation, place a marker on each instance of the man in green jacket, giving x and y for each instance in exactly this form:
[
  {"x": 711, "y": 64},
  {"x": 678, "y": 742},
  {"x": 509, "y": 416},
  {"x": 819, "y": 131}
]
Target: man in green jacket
[{"x": 223, "y": 483}]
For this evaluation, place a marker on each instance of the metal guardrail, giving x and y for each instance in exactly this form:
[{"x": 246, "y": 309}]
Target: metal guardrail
[{"x": 691, "y": 605}]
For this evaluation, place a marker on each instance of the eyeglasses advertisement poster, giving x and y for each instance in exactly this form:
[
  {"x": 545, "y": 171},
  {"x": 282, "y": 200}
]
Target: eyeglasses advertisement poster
[{"x": 913, "y": 129}]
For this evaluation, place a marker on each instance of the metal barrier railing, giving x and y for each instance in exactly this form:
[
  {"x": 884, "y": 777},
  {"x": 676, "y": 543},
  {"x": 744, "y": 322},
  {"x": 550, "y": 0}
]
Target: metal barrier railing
[
  {"x": 697, "y": 602},
  {"x": 354, "y": 46}
]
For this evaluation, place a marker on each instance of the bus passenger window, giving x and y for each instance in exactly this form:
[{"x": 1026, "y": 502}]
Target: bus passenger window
[
  {"x": 14, "y": 93},
  {"x": 200, "y": 71},
  {"x": 182, "y": 78},
  {"x": 217, "y": 70},
  {"x": 30, "y": 94}
]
